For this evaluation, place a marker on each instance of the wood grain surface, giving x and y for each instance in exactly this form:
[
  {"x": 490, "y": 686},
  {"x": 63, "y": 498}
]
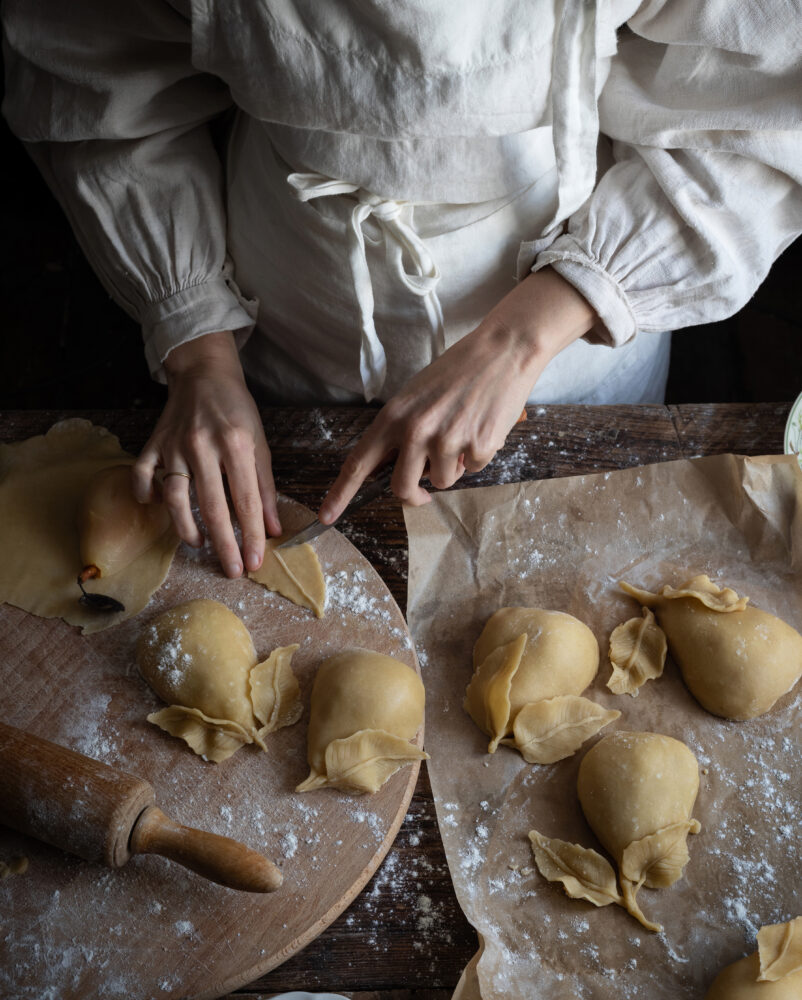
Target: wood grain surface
[{"x": 404, "y": 937}]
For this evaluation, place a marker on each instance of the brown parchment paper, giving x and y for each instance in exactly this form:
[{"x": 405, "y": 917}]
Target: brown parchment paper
[{"x": 565, "y": 544}]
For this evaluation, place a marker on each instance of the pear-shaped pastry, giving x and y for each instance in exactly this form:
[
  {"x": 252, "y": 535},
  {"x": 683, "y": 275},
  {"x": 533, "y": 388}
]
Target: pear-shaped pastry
[
  {"x": 200, "y": 659},
  {"x": 773, "y": 972},
  {"x": 530, "y": 667},
  {"x": 113, "y": 527},
  {"x": 736, "y": 660},
  {"x": 637, "y": 791},
  {"x": 366, "y": 707}
]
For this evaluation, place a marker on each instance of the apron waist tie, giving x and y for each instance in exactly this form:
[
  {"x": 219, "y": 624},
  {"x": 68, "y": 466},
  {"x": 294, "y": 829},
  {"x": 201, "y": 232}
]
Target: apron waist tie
[{"x": 399, "y": 238}]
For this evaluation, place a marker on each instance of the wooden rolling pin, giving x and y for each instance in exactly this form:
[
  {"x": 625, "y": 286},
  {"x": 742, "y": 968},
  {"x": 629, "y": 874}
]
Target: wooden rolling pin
[{"x": 104, "y": 815}]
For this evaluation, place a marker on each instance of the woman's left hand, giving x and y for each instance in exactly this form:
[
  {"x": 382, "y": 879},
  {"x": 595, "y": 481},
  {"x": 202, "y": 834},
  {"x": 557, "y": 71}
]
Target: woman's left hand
[{"x": 455, "y": 414}]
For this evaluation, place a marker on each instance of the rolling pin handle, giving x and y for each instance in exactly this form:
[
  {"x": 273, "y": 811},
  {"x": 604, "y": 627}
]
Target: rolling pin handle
[{"x": 215, "y": 857}]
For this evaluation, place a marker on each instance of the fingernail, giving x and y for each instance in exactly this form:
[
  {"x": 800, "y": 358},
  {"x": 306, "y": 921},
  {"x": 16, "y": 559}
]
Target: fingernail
[
  {"x": 233, "y": 569},
  {"x": 326, "y": 514},
  {"x": 253, "y": 559}
]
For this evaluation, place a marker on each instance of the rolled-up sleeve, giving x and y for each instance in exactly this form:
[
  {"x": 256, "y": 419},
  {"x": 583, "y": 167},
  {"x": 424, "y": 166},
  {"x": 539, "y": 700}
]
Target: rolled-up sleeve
[
  {"x": 108, "y": 104},
  {"x": 703, "y": 105}
]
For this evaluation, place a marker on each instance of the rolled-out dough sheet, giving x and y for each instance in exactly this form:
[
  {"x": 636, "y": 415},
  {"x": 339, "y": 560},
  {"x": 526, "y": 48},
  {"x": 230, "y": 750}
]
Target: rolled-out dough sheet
[
  {"x": 564, "y": 544},
  {"x": 42, "y": 481}
]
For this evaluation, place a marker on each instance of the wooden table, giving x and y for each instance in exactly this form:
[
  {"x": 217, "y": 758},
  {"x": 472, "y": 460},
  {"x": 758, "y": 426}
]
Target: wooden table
[{"x": 405, "y": 937}]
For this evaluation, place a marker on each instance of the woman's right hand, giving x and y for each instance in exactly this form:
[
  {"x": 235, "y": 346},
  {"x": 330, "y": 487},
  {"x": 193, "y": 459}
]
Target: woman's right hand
[{"x": 210, "y": 428}]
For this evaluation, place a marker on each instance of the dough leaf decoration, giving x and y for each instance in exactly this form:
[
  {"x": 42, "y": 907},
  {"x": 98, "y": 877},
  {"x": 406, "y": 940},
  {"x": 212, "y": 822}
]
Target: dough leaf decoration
[
  {"x": 363, "y": 762},
  {"x": 275, "y": 693},
  {"x": 214, "y": 739},
  {"x": 550, "y": 730},
  {"x": 583, "y": 872},
  {"x": 780, "y": 950},
  {"x": 701, "y": 588},
  {"x": 658, "y": 859},
  {"x": 637, "y": 653},
  {"x": 295, "y": 573},
  {"x": 487, "y": 697}
]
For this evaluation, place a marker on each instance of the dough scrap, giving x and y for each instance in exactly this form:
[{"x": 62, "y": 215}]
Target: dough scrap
[
  {"x": 550, "y": 730},
  {"x": 637, "y": 791},
  {"x": 735, "y": 659},
  {"x": 778, "y": 954},
  {"x": 200, "y": 659},
  {"x": 295, "y": 573},
  {"x": 42, "y": 484},
  {"x": 637, "y": 654},
  {"x": 525, "y": 656},
  {"x": 365, "y": 709}
]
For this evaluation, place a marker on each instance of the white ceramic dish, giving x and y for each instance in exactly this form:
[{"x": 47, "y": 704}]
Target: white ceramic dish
[{"x": 793, "y": 431}]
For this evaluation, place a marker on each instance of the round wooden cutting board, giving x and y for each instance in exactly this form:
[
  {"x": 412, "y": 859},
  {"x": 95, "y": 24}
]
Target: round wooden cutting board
[{"x": 72, "y": 929}]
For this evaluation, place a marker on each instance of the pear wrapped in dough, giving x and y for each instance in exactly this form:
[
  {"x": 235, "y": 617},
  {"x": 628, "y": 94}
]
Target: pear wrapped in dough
[
  {"x": 637, "y": 791},
  {"x": 773, "y": 972},
  {"x": 530, "y": 668},
  {"x": 113, "y": 527},
  {"x": 200, "y": 659},
  {"x": 735, "y": 659},
  {"x": 366, "y": 707}
]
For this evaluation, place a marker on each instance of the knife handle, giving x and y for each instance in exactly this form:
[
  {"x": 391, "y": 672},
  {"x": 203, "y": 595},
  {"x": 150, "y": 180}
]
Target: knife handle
[{"x": 381, "y": 484}]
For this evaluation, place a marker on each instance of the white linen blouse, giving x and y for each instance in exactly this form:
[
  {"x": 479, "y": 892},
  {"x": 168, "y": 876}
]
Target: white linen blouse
[{"x": 392, "y": 166}]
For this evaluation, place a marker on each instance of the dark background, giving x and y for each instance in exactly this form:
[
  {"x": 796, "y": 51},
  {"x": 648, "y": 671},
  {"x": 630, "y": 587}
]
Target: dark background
[{"x": 65, "y": 344}]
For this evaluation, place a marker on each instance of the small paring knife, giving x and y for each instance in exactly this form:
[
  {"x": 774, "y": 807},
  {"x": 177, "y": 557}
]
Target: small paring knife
[{"x": 373, "y": 490}]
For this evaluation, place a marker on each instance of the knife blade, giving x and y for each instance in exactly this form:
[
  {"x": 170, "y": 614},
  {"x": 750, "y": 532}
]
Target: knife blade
[{"x": 373, "y": 490}]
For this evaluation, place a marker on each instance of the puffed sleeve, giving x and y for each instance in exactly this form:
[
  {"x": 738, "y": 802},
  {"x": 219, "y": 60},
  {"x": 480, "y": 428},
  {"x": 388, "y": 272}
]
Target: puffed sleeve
[
  {"x": 704, "y": 106},
  {"x": 108, "y": 104}
]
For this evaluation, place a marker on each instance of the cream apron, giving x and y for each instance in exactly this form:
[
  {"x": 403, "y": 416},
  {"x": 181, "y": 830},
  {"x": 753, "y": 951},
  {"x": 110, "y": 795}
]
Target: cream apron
[{"x": 369, "y": 255}]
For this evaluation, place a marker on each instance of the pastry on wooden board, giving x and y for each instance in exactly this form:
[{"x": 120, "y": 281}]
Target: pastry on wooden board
[
  {"x": 365, "y": 709},
  {"x": 200, "y": 659}
]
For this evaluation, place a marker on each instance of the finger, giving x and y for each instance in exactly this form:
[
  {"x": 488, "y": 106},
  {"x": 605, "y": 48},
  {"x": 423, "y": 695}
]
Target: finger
[
  {"x": 175, "y": 496},
  {"x": 142, "y": 473},
  {"x": 407, "y": 475},
  {"x": 243, "y": 485},
  {"x": 216, "y": 516},
  {"x": 476, "y": 460},
  {"x": 358, "y": 465},
  {"x": 444, "y": 470},
  {"x": 267, "y": 491}
]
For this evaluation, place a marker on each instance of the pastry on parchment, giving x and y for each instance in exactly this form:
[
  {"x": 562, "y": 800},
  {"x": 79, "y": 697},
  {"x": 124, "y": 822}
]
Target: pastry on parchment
[
  {"x": 773, "y": 972},
  {"x": 735, "y": 659},
  {"x": 530, "y": 668},
  {"x": 637, "y": 791},
  {"x": 200, "y": 659},
  {"x": 365, "y": 709}
]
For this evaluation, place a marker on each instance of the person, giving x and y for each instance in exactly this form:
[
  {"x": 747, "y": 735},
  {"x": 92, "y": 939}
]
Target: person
[{"x": 449, "y": 210}]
